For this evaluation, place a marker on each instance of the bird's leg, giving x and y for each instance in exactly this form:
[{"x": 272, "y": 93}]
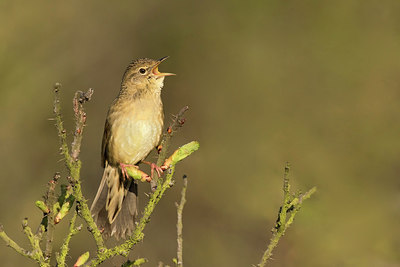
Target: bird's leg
[
  {"x": 125, "y": 174},
  {"x": 153, "y": 167}
]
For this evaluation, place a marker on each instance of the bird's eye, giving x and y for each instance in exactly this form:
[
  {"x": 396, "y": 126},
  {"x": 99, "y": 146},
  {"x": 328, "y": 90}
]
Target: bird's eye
[{"x": 142, "y": 70}]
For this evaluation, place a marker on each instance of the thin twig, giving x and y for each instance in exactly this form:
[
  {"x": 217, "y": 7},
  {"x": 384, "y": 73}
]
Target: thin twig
[
  {"x": 62, "y": 133},
  {"x": 65, "y": 246},
  {"x": 291, "y": 205},
  {"x": 80, "y": 119},
  {"x": 179, "y": 225},
  {"x": 50, "y": 200},
  {"x": 177, "y": 121},
  {"x": 37, "y": 253},
  {"x": 11, "y": 243}
]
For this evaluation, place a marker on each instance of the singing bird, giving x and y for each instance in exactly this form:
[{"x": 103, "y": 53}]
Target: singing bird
[{"x": 133, "y": 128}]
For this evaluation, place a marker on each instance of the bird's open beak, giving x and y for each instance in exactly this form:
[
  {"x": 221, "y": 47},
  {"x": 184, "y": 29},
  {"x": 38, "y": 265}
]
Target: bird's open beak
[{"x": 159, "y": 74}]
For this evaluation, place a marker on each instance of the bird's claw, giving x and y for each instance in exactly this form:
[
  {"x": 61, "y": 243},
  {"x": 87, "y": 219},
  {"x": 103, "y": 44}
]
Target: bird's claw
[
  {"x": 155, "y": 167},
  {"x": 158, "y": 169}
]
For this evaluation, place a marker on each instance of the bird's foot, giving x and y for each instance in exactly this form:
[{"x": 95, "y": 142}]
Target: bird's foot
[
  {"x": 125, "y": 175},
  {"x": 153, "y": 167},
  {"x": 123, "y": 166}
]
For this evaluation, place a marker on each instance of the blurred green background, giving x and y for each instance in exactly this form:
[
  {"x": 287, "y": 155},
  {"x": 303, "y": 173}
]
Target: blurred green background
[{"x": 315, "y": 83}]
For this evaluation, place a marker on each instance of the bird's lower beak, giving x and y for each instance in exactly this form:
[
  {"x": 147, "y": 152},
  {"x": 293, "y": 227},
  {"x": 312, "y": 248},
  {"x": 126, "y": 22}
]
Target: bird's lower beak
[{"x": 159, "y": 74}]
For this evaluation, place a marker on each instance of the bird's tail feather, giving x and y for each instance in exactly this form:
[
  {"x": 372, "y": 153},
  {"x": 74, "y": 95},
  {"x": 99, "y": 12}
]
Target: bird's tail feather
[{"x": 115, "y": 206}]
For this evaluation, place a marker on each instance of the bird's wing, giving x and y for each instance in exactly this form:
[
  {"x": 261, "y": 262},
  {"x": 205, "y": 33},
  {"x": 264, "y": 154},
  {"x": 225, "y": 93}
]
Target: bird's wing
[{"x": 106, "y": 139}]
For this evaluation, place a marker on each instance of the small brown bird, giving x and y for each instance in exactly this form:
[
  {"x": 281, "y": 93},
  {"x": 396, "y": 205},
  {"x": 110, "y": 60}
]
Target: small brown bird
[{"x": 133, "y": 128}]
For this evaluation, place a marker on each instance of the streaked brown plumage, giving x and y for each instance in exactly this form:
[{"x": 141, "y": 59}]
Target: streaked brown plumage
[{"x": 133, "y": 128}]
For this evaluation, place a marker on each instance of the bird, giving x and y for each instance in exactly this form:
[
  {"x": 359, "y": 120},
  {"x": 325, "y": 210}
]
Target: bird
[{"x": 133, "y": 128}]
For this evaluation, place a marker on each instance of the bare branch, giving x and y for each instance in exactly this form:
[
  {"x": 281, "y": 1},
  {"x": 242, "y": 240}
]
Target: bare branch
[
  {"x": 80, "y": 120},
  {"x": 179, "y": 225}
]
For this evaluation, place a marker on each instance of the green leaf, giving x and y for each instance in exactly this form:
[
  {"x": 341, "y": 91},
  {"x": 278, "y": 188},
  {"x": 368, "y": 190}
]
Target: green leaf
[
  {"x": 82, "y": 259},
  {"x": 139, "y": 262},
  {"x": 64, "y": 204},
  {"x": 42, "y": 206},
  {"x": 184, "y": 151},
  {"x": 181, "y": 153}
]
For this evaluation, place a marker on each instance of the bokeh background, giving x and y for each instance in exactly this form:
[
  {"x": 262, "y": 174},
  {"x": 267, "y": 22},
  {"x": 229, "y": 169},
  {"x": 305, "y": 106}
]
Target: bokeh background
[{"x": 312, "y": 82}]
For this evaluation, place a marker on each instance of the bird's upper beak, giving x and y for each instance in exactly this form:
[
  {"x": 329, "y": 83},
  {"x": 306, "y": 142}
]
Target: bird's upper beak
[{"x": 159, "y": 74}]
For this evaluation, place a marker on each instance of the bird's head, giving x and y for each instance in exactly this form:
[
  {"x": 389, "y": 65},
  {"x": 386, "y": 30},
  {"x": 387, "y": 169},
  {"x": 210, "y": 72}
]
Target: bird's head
[{"x": 143, "y": 74}]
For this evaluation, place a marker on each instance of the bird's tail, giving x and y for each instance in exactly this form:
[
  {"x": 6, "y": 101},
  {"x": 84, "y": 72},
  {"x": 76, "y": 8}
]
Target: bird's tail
[{"x": 115, "y": 206}]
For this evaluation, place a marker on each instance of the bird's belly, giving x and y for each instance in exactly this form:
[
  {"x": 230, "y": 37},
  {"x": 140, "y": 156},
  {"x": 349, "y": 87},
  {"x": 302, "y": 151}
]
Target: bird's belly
[{"x": 134, "y": 139}]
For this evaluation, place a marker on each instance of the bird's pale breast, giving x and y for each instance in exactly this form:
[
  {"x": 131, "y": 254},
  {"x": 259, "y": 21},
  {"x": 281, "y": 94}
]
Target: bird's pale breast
[{"x": 136, "y": 129}]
